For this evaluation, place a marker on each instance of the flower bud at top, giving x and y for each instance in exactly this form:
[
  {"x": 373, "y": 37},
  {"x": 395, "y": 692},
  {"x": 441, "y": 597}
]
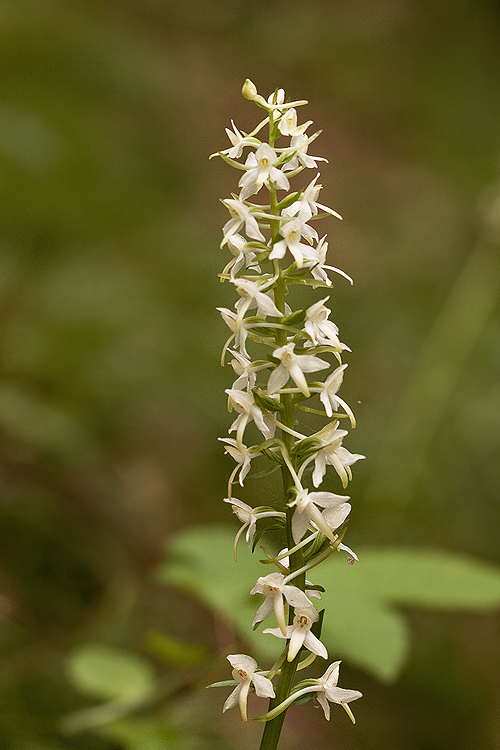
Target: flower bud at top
[{"x": 249, "y": 90}]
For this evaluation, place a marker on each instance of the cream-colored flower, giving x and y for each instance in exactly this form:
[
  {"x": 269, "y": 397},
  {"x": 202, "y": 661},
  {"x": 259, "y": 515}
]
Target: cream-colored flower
[
  {"x": 334, "y": 454},
  {"x": 244, "y": 672},
  {"x": 293, "y": 366},
  {"x": 300, "y": 634},
  {"x": 306, "y": 511},
  {"x": 260, "y": 169},
  {"x": 274, "y": 590}
]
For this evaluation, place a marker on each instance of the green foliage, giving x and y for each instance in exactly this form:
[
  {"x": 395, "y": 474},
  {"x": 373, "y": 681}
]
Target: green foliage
[
  {"x": 107, "y": 672},
  {"x": 367, "y": 627},
  {"x": 122, "y": 678}
]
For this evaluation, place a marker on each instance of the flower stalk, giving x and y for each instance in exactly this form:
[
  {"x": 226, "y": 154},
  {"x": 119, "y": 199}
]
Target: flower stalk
[{"x": 274, "y": 349}]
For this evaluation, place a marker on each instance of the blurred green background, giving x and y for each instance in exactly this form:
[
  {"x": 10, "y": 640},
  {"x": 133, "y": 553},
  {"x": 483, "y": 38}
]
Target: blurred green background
[{"x": 111, "y": 392}]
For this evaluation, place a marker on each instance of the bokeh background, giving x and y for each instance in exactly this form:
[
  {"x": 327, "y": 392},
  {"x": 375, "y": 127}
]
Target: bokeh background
[{"x": 111, "y": 392}]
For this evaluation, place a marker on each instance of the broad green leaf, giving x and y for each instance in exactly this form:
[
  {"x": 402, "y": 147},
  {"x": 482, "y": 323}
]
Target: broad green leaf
[
  {"x": 362, "y": 622},
  {"x": 110, "y": 673},
  {"x": 137, "y": 734},
  {"x": 173, "y": 651}
]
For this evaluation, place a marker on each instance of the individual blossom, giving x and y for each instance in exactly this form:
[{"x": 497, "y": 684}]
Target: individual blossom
[
  {"x": 299, "y": 144},
  {"x": 244, "y": 403},
  {"x": 246, "y": 371},
  {"x": 293, "y": 366},
  {"x": 321, "y": 330},
  {"x": 288, "y": 123},
  {"x": 334, "y": 454},
  {"x": 307, "y": 206},
  {"x": 251, "y": 296},
  {"x": 327, "y": 690},
  {"x": 249, "y": 517},
  {"x": 260, "y": 169},
  {"x": 243, "y": 255},
  {"x": 275, "y": 590},
  {"x": 306, "y": 511},
  {"x": 240, "y": 215},
  {"x": 241, "y": 455},
  {"x": 240, "y": 140},
  {"x": 239, "y": 329},
  {"x": 316, "y": 261},
  {"x": 244, "y": 672},
  {"x": 299, "y": 633},
  {"x": 292, "y": 232},
  {"x": 329, "y": 398}
]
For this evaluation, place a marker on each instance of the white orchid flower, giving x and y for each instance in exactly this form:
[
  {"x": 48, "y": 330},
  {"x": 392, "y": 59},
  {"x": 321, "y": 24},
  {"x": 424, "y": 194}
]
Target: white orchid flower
[
  {"x": 240, "y": 215},
  {"x": 307, "y": 205},
  {"x": 306, "y": 512},
  {"x": 334, "y": 454},
  {"x": 244, "y": 671},
  {"x": 244, "y": 403},
  {"x": 251, "y": 296},
  {"x": 293, "y": 366},
  {"x": 300, "y": 144},
  {"x": 300, "y": 634},
  {"x": 274, "y": 590},
  {"x": 327, "y": 690},
  {"x": 249, "y": 517},
  {"x": 328, "y": 395},
  {"x": 318, "y": 260},
  {"x": 288, "y": 123},
  {"x": 260, "y": 169},
  {"x": 292, "y": 232},
  {"x": 321, "y": 330}
]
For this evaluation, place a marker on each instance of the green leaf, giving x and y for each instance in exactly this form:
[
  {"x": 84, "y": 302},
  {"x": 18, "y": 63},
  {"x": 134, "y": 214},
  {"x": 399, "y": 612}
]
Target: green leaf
[
  {"x": 179, "y": 653},
  {"x": 138, "y": 734},
  {"x": 110, "y": 673},
  {"x": 362, "y": 621}
]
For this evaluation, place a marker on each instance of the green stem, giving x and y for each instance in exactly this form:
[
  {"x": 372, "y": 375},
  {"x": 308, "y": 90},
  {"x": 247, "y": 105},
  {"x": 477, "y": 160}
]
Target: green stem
[{"x": 272, "y": 729}]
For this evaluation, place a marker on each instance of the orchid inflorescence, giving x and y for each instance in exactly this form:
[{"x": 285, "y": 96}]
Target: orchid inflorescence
[{"x": 274, "y": 248}]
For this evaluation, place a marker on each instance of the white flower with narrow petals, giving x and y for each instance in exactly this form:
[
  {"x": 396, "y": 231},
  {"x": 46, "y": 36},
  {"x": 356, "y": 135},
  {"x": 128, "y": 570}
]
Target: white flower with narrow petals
[
  {"x": 334, "y": 454},
  {"x": 274, "y": 590},
  {"x": 244, "y": 671},
  {"x": 248, "y": 411},
  {"x": 245, "y": 370},
  {"x": 244, "y": 255},
  {"x": 288, "y": 123},
  {"x": 240, "y": 215},
  {"x": 249, "y": 517},
  {"x": 307, "y": 205},
  {"x": 251, "y": 296},
  {"x": 321, "y": 330},
  {"x": 241, "y": 455},
  {"x": 300, "y": 144},
  {"x": 317, "y": 260},
  {"x": 239, "y": 329},
  {"x": 260, "y": 169},
  {"x": 293, "y": 366},
  {"x": 239, "y": 141},
  {"x": 328, "y": 395},
  {"x": 300, "y": 634},
  {"x": 306, "y": 512},
  {"x": 292, "y": 232},
  {"x": 328, "y": 691}
]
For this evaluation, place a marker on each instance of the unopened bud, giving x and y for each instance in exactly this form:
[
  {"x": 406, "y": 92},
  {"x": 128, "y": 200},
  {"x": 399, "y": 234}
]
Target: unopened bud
[{"x": 249, "y": 90}]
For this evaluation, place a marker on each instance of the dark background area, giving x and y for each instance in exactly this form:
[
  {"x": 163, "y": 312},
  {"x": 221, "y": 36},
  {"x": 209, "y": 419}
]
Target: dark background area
[{"x": 111, "y": 392}]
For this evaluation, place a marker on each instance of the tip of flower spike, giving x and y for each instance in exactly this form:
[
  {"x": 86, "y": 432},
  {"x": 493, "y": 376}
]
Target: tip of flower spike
[{"x": 249, "y": 90}]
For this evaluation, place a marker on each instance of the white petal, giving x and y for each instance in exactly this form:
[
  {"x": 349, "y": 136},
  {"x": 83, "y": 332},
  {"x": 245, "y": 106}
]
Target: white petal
[{"x": 263, "y": 686}]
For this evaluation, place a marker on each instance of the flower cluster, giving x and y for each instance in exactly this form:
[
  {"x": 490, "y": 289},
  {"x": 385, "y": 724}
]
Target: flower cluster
[{"x": 283, "y": 358}]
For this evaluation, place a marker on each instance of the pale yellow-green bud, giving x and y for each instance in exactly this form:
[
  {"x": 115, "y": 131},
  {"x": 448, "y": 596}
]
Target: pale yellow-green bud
[{"x": 249, "y": 90}]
